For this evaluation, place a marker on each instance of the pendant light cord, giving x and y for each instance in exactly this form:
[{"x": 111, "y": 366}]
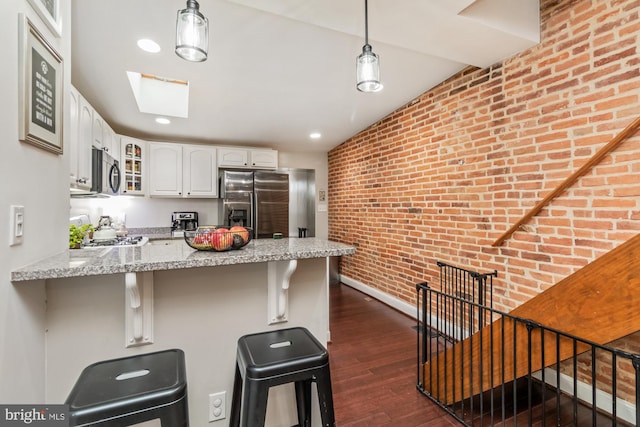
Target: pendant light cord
[{"x": 366, "y": 23}]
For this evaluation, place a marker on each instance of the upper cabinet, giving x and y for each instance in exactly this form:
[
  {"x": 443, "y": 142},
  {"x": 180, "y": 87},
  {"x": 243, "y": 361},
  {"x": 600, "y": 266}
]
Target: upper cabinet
[
  {"x": 251, "y": 158},
  {"x": 79, "y": 143},
  {"x": 158, "y": 169},
  {"x": 109, "y": 141},
  {"x": 97, "y": 129},
  {"x": 180, "y": 170},
  {"x": 133, "y": 153},
  {"x": 199, "y": 171}
]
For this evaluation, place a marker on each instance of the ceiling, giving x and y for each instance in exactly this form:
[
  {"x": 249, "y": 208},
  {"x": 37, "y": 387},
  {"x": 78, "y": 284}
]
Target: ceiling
[{"x": 281, "y": 69}]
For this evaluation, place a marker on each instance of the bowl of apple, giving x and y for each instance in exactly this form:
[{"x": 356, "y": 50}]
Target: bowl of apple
[{"x": 218, "y": 238}]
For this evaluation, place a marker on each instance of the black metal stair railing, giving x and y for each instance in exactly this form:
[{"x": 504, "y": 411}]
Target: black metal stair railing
[
  {"x": 593, "y": 385},
  {"x": 470, "y": 286}
]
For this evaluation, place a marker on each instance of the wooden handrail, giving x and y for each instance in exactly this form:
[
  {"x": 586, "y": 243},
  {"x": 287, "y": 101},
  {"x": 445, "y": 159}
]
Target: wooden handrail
[{"x": 595, "y": 159}]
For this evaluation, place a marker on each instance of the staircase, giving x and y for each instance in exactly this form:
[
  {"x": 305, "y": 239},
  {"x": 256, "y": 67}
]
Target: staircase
[{"x": 594, "y": 306}]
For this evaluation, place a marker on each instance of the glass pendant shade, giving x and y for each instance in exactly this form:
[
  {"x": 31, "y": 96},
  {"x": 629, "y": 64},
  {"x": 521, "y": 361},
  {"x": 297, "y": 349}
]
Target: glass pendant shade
[
  {"x": 367, "y": 63},
  {"x": 368, "y": 71},
  {"x": 192, "y": 33}
]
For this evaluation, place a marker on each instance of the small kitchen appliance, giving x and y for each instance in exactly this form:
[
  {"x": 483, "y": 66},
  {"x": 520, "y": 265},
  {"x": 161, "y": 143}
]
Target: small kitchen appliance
[
  {"x": 184, "y": 221},
  {"x": 105, "y": 178}
]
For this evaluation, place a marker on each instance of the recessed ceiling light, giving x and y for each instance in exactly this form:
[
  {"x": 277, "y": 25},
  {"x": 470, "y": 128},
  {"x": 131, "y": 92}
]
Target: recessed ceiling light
[
  {"x": 315, "y": 135},
  {"x": 163, "y": 120},
  {"x": 149, "y": 45}
]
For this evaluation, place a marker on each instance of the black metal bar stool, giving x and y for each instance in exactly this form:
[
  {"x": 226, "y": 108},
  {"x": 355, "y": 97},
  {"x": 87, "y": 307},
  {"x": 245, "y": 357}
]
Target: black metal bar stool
[
  {"x": 278, "y": 357},
  {"x": 131, "y": 390}
]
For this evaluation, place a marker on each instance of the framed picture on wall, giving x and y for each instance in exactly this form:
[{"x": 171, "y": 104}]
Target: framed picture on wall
[
  {"x": 40, "y": 89},
  {"x": 49, "y": 11}
]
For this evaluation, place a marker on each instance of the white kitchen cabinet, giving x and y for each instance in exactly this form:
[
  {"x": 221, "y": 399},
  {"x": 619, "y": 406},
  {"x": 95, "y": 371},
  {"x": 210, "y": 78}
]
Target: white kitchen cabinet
[
  {"x": 180, "y": 170},
  {"x": 233, "y": 157},
  {"x": 165, "y": 169},
  {"x": 247, "y": 158},
  {"x": 108, "y": 143},
  {"x": 81, "y": 131},
  {"x": 199, "y": 171},
  {"x": 263, "y": 158},
  {"x": 116, "y": 151},
  {"x": 133, "y": 155},
  {"x": 97, "y": 130},
  {"x": 79, "y": 151}
]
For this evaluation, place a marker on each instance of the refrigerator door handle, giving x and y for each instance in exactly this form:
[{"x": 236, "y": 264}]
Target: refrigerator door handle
[{"x": 253, "y": 214}]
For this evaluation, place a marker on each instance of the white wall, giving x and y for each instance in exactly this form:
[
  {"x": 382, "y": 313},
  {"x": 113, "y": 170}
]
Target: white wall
[
  {"x": 145, "y": 211},
  {"x": 37, "y": 180}
]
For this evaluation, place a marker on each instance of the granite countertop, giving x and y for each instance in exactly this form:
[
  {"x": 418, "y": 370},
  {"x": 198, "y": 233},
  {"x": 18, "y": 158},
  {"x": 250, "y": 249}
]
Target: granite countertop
[{"x": 171, "y": 255}]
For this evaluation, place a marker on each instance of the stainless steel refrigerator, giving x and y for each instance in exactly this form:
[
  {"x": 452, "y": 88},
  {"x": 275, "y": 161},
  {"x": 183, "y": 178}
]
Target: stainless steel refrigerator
[{"x": 256, "y": 199}]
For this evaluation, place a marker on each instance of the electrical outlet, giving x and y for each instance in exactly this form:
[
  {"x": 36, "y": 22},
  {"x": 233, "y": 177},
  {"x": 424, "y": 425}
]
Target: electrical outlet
[{"x": 217, "y": 406}]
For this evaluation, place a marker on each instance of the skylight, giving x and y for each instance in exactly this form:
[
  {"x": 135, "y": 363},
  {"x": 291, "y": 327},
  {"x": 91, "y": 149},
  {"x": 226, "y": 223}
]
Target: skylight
[{"x": 160, "y": 95}]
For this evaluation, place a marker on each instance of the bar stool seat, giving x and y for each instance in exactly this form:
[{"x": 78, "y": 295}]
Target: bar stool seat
[
  {"x": 131, "y": 390},
  {"x": 278, "y": 357}
]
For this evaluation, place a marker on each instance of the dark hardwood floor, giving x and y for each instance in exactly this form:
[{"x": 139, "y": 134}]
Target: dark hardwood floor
[
  {"x": 373, "y": 372},
  {"x": 373, "y": 365}
]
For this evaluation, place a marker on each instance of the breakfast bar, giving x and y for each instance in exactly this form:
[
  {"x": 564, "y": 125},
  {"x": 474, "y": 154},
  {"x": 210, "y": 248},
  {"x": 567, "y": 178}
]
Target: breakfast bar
[{"x": 111, "y": 302}]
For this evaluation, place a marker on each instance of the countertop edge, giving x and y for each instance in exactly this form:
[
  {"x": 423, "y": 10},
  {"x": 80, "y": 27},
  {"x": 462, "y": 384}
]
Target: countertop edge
[{"x": 38, "y": 271}]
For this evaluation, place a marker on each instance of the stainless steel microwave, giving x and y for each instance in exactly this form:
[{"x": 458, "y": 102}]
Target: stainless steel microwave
[{"x": 105, "y": 173}]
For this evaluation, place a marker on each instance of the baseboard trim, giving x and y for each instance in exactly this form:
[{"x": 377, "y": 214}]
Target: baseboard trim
[{"x": 401, "y": 306}]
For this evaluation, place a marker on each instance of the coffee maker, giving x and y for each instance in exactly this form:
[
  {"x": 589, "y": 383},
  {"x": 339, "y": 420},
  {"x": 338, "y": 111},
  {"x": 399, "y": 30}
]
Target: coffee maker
[{"x": 184, "y": 221}]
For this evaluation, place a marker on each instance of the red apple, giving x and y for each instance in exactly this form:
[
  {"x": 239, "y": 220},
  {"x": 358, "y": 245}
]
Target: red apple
[
  {"x": 222, "y": 239},
  {"x": 240, "y": 231}
]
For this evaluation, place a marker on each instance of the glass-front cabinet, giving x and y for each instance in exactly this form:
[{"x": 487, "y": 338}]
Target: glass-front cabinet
[{"x": 132, "y": 166}]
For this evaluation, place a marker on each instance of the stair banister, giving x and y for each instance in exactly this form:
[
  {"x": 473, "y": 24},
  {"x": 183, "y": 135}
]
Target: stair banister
[{"x": 595, "y": 159}]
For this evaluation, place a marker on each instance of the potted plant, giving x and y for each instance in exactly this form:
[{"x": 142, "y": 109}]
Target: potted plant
[{"x": 78, "y": 234}]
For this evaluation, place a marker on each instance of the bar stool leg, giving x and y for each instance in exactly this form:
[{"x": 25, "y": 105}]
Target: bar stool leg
[
  {"x": 303, "y": 402},
  {"x": 325, "y": 398},
  {"x": 254, "y": 404},
  {"x": 234, "y": 416}
]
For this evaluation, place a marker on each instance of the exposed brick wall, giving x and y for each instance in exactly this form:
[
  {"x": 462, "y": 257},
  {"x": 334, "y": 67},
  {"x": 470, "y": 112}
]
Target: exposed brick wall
[{"x": 443, "y": 177}]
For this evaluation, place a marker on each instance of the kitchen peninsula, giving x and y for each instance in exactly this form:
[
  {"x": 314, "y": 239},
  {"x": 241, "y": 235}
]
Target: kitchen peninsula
[{"x": 111, "y": 302}]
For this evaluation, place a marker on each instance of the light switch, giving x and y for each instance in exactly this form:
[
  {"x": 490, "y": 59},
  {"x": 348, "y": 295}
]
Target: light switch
[{"x": 16, "y": 225}]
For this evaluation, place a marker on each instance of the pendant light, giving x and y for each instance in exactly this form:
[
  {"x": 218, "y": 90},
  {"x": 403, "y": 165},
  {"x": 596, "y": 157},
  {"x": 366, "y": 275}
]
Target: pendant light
[
  {"x": 192, "y": 33},
  {"x": 367, "y": 63}
]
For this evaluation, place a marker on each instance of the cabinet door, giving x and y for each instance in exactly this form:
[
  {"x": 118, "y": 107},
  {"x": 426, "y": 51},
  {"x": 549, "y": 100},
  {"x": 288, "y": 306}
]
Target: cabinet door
[
  {"x": 107, "y": 139},
  {"x": 84, "y": 142},
  {"x": 97, "y": 131},
  {"x": 165, "y": 169},
  {"x": 233, "y": 157},
  {"x": 115, "y": 147},
  {"x": 199, "y": 171},
  {"x": 133, "y": 166},
  {"x": 264, "y": 159},
  {"x": 74, "y": 123}
]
